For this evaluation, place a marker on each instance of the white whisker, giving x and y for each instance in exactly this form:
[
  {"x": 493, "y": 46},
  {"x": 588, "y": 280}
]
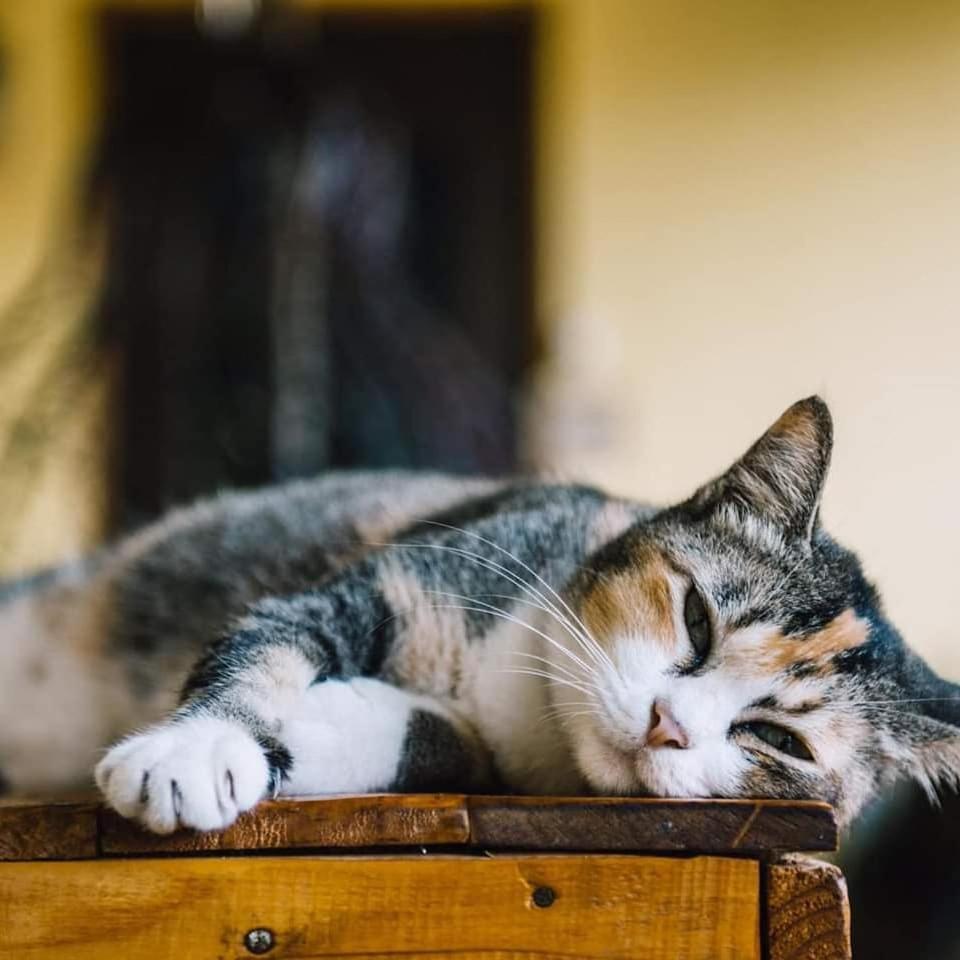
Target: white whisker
[
  {"x": 558, "y": 709},
  {"x": 577, "y": 713},
  {"x": 508, "y": 575},
  {"x": 880, "y": 703},
  {"x": 587, "y": 640},
  {"x": 521, "y": 671},
  {"x": 494, "y": 610},
  {"x": 496, "y": 546},
  {"x": 558, "y": 666},
  {"x": 520, "y": 623}
]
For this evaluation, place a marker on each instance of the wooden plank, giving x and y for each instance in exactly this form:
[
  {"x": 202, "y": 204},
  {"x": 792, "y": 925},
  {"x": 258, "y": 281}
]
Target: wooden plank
[
  {"x": 185, "y": 908},
  {"x": 30, "y": 830},
  {"x": 744, "y": 827},
  {"x": 751, "y": 827},
  {"x": 808, "y": 913},
  {"x": 291, "y": 824}
]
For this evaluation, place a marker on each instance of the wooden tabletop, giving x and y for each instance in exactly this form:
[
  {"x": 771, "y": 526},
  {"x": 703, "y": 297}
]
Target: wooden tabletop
[{"x": 32, "y": 830}]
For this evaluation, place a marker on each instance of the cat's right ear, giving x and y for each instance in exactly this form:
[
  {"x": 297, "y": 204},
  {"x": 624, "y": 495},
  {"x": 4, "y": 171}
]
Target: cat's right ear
[{"x": 781, "y": 477}]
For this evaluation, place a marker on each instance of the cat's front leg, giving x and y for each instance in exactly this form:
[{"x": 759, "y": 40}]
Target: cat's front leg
[
  {"x": 341, "y": 736},
  {"x": 283, "y": 704},
  {"x": 222, "y": 750}
]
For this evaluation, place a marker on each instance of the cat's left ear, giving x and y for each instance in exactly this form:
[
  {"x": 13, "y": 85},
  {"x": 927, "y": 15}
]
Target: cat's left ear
[{"x": 781, "y": 477}]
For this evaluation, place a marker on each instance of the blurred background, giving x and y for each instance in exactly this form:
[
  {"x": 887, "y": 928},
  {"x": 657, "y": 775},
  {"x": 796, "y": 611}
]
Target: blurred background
[{"x": 247, "y": 240}]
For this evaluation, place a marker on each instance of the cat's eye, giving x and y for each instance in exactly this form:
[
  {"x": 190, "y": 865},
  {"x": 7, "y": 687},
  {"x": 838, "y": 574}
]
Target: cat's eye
[
  {"x": 779, "y": 738},
  {"x": 697, "y": 621}
]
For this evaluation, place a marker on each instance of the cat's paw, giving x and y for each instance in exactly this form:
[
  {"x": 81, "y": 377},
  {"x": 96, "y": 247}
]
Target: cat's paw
[{"x": 200, "y": 772}]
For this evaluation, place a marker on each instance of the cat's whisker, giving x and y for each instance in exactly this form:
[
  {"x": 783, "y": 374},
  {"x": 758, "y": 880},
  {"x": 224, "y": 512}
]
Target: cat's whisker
[
  {"x": 570, "y": 703},
  {"x": 558, "y": 666},
  {"x": 571, "y": 716},
  {"x": 502, "y": 614},
  {"x": 525, "y": 600},
  {"x": 508, "y": 575},
  {"x": 880, "y": 703},
  {"x": 522, "y": 623},
  {"x": 559, "y": 709},
  {"x": 495, "y": 612},
  {"x": 484, "y": 562},
  {"x": 478, "y": 598},
  {"x": 583, "y": 634},
  {"x": 542, "y": 674},
  {"x": 401, "y": 613},
  {"x": 551, "y": 676}
]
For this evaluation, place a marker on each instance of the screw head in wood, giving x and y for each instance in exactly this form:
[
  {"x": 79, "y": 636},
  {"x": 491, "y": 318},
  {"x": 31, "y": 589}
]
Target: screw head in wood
[
  {"x": 544, "y": 897},
  {"x": 259, "y": 940}
]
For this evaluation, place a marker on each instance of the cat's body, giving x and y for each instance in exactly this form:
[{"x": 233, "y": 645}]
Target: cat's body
[
  {"x": 114, "y": 640},
  {"x": 393, "y": 631}
]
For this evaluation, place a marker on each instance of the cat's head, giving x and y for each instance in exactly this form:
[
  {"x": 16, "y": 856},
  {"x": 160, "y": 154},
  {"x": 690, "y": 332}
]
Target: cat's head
[{"x": 741, "y": 651}]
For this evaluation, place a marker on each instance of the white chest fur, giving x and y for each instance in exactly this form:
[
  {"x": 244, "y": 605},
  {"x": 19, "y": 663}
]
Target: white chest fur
[{"x": 509, "y": 706}]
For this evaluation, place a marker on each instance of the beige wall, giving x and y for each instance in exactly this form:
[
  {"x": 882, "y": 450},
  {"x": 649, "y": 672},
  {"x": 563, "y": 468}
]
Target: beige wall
[{"x": 747, "y": 202}]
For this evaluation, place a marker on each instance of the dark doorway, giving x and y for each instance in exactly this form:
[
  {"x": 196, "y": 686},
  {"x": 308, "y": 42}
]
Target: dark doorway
[{"x": 319, "y": 246}]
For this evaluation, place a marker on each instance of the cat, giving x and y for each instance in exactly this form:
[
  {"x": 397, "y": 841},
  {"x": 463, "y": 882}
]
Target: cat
[{"x": 387, "y": 631}]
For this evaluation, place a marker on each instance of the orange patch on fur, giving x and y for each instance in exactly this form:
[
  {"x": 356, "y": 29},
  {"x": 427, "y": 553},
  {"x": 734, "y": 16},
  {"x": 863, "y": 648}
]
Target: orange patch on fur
[
  {"x": 636, "y": 600},
  {"x": 845, "y": 632}
]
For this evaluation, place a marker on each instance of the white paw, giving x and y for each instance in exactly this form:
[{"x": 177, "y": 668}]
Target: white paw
[{"x": 200, "y": 772}]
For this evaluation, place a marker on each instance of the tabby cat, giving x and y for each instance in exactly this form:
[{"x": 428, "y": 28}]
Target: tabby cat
[{"x": 390, "y": 631}]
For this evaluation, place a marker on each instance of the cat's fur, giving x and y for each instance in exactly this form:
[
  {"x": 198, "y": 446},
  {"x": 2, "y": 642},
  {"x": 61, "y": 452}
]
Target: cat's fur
[{"x": 392, "y": 631}]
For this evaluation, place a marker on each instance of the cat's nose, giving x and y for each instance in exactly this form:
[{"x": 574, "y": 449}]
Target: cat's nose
[{"x": 665, "y": 731}]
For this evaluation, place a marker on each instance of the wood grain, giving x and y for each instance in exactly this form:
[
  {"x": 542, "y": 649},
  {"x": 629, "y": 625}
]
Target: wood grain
[
  {"x": 808, "y": 914},
  {"x": 605, "y": 906},
  {"x": 764, "y": 828},
  {"x": 751, "y": 827},
  {"x": 47, "y": 831},
  {"x": 291, "y": 824}
]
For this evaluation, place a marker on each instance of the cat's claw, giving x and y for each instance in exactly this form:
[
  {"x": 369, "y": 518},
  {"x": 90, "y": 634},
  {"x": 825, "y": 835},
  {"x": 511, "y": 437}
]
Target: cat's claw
[{"x": 200, "y": 772}]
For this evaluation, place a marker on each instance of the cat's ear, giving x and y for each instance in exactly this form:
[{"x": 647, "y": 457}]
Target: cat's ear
[{"x": 781, "y": 476}]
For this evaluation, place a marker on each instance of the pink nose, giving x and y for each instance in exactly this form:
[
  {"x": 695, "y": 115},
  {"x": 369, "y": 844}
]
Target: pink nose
[{"x": 664, "y": 729}]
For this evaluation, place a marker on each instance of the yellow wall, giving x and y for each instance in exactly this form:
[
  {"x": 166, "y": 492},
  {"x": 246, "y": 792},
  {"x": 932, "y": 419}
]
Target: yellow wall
[
  {"x": 747, "y": 202},
  {"x": 44, "y": 123},
  {"x": 52, "y": 412}
]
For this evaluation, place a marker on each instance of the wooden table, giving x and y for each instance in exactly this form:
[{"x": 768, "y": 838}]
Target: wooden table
[{"x": 499, "y": 878}]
